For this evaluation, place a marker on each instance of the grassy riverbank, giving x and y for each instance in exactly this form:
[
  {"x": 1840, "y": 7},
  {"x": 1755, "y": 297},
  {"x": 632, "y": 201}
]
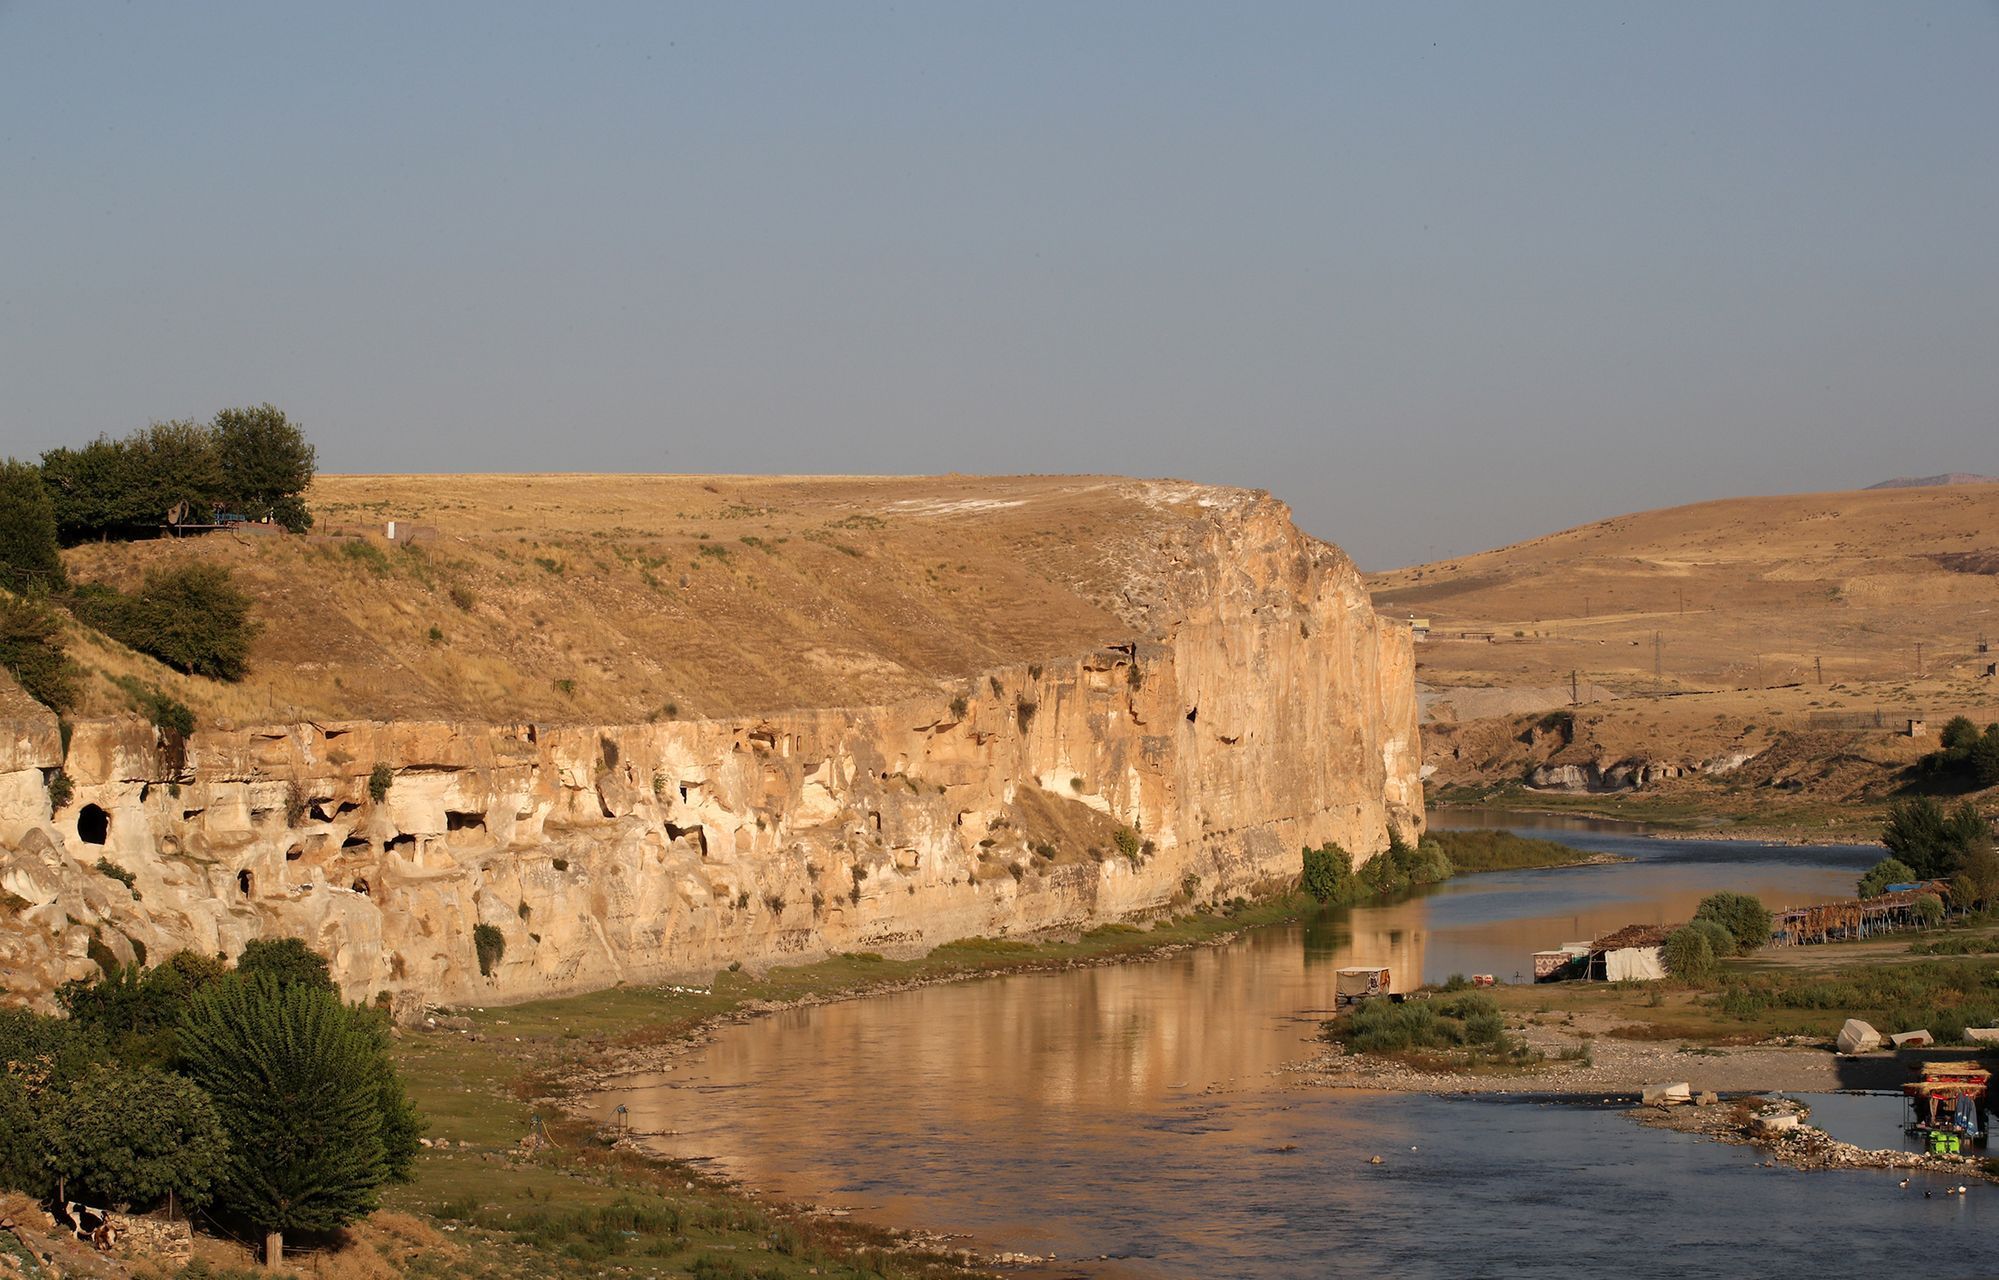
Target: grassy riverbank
[{"x": 581, "y": 1207}]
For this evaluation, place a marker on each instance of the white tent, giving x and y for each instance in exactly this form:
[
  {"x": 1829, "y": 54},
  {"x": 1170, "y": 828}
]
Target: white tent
[{"x": 1633, "y": 964}]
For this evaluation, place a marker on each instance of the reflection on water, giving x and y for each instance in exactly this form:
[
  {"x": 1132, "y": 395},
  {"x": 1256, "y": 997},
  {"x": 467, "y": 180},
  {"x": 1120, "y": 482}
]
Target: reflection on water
[{"x": 1137, "y": 1110}]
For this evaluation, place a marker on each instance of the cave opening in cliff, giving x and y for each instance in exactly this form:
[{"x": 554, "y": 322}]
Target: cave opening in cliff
[
  {"x": 1193, "y": 714},
  {"x": 460, "y": 820},
  {"x": 244, "y": 882},
  {"x": 93, "y": 825},
  {"x": 361, "y": 887},
  {"x": 355, "y": 841}
]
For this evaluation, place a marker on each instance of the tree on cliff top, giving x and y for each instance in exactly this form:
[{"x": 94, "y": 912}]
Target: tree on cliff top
[
  {"x": 29, "y": 559},
  {"x": 266, "y": 464}
]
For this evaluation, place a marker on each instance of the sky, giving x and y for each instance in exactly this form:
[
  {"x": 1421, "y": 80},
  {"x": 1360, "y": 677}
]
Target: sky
[{"x": 1440, "y": 276}]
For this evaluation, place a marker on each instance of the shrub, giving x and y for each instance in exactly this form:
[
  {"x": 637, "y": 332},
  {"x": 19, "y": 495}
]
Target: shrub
[
  {"x": 29, "y": 551},
  {"x": 1689, "y": 957},
  {"x": 1329, "y": 873},
  {"x": 192, "y": 618},
  {"x": 491, "y": 946},
  {"x": 463, "y": 597},
  {"x": 31, "y": 651},
  {"x": 1882, "y": 874},
  {"x": 1471, "y": 851},
  {"x": 167, "y": 713},
  {"x": 1929, "y": 910},
  {"x": 61, "y": 790},
  {"x": 1470, "y": 1022},
  {"x": 380, "y": 779},
  {"x": 1742, "y": 914},
  {"x": 106, "y": 867},
  {"x": 1127, "y": 843},
  {"x": 1719, "y": 939},
  {"x": 135, "y": 1136},
  {"x": 23, "y": 1159},
  {"x": 1023, "y": 711},
  {"x": 288, "y": 962},
  {"x": 958, "y": 707}
]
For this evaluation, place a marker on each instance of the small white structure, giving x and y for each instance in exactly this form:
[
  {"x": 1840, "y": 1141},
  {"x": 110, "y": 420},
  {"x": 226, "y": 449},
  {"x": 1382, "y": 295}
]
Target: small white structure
[{"x": 1858, "y": 1037}]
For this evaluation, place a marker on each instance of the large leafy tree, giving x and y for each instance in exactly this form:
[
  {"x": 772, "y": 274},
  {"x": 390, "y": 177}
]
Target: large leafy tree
[
  {"x": 135, "y": 1137},
  {"x": 301, "y": 1081},
  {"x": 266, "y": 464},
  {"x": 96, "y": 491},
  {"x": 28, "y": 543},
  {"x": 172, "y": 463},
  {"x": 1932, "y": 842}
]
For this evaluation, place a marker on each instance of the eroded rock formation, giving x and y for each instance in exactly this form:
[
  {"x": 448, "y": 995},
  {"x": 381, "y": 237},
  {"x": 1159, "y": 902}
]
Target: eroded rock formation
[{"x": 1258, "y": 705}]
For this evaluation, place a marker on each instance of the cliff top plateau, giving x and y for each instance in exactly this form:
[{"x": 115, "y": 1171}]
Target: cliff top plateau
[{"x": 619, "y": 599}]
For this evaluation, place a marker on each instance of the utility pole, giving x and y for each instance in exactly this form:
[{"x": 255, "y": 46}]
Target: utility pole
[
  {"x": 1818, "y": 668},
  {"x": 1574, "y": 695}
]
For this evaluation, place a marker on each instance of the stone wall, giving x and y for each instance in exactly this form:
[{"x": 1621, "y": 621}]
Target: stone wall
[{"x": 1259, "y": 706}]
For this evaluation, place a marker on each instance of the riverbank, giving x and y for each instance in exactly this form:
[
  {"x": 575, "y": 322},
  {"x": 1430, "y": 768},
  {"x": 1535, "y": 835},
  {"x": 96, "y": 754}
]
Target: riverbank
[
  {"x": 582, "y": 1197},
  {"x": 1802, "y": 1146}
]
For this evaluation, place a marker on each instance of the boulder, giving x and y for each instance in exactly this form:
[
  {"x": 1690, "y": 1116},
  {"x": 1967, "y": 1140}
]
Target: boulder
[
  {"x": 1912, "y": 1039},
  {"x": 1983, "y": 1035},
  {"x": 1858, "y": 1037},
  {"x": 1667, "y": 1095}
]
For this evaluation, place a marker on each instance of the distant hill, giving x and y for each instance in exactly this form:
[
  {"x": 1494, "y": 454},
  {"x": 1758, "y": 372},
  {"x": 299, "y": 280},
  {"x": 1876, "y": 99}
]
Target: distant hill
[
  {"x": 1744, "y": 591},
  {"x": 1928, "y": 482}
]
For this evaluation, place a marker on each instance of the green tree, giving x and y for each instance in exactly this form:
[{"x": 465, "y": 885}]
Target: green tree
[
  {"x": 1959, "y": 735},
  {"x": 96, "y": 491},
  {"x": 266, "y": 464},
  {"x": 1983, "y": 757},
  {"x": 288, "y": 962},
  {"x": 31, "y": 651},
  {"x": 1719, "y": 939},
  {"x": 29, "y": 559},
  {"x": 23, "y": 1162},
  {"x": 300, "y": 1080},
  {"x": 1688, "y": 956},
  {"x": 171, "y": 463},
  {"x": 1743, "y": 915},
  {"x": 1921, "y": 834},
  {"x": 135, "y": 1137},
  {"x": 192, "y": 618},
  {"x": 1884, "y": 873},
  {"x": 1329, "y": 873}
]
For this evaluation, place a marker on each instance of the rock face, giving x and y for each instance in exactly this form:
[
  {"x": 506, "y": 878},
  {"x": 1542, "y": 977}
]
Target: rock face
[{"x": 1258, "y": 706}]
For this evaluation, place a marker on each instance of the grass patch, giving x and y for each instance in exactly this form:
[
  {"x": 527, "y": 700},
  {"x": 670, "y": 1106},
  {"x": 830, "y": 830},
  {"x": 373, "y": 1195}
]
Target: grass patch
[{"x": 1472, "y": 851}]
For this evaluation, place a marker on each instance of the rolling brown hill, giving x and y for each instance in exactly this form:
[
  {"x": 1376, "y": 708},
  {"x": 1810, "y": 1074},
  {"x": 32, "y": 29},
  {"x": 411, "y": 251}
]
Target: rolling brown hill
[
  {"x": 1780, "y": 630},
  {"x": 616, "y": 599}
]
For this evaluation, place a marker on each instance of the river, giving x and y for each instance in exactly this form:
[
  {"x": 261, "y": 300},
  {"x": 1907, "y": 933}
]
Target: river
[{"x": 1135, "y": 1120}]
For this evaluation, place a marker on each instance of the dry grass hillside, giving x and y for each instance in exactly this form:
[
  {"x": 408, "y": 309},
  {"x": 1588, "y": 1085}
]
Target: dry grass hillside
[
  {"x": 1767, "y": 618},
  {"x": 622, "y": 598}
]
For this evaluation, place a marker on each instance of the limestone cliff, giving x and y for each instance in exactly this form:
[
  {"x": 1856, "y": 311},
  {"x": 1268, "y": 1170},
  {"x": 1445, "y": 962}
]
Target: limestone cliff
[{"x": 1252, "y": 704}]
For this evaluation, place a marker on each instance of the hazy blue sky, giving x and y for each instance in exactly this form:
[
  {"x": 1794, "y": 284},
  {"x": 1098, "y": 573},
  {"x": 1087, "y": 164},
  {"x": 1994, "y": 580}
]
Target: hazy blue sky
[{"x": 1441, "y": 276}]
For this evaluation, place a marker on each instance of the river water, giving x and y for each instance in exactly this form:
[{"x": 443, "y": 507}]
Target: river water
[{"x": 1135, "y": 1120}]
